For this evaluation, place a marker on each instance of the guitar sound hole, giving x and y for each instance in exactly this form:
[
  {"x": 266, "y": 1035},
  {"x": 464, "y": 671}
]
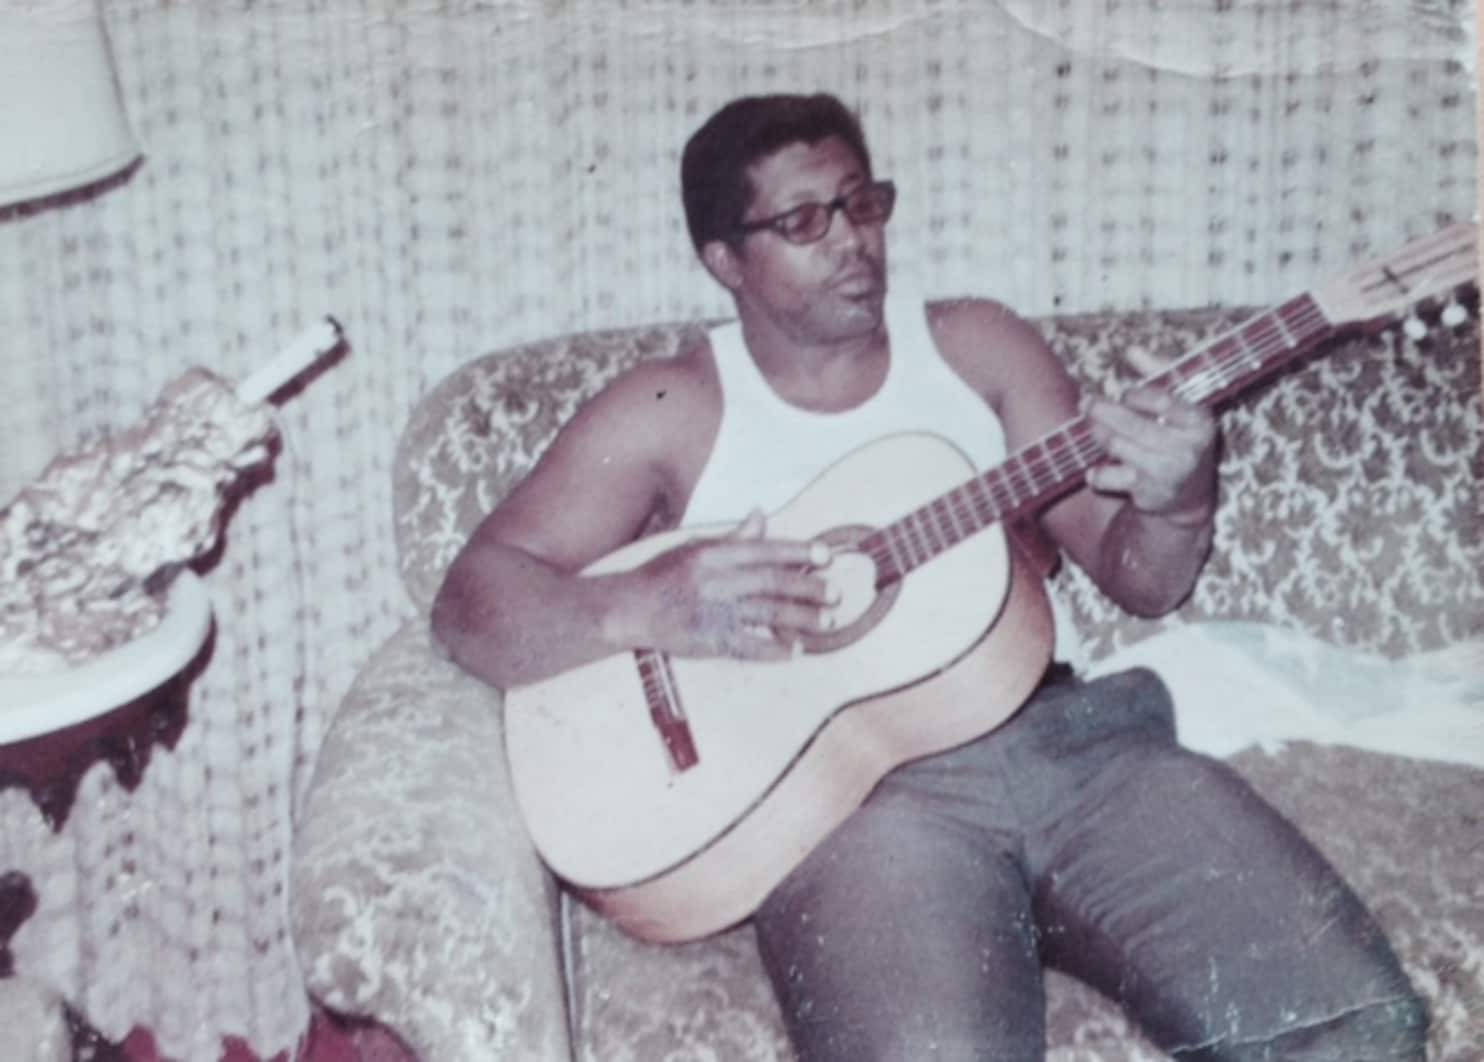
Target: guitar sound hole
[{"x": 863, "y": 605}]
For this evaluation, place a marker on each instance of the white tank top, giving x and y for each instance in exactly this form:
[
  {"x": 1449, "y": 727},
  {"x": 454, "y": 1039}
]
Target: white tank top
[{"x": 767, "y": 450}]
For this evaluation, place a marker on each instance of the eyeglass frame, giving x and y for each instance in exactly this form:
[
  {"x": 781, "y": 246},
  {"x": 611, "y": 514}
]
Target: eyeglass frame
[{"x": 837, "y": 204}]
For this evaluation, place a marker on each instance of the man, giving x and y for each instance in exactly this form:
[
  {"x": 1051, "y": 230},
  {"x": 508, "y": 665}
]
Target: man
[{"x": 1078, "y": 833}]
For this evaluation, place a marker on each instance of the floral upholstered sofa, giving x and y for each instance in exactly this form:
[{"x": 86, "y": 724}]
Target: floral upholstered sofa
[{"x": 1350, "y": 520}]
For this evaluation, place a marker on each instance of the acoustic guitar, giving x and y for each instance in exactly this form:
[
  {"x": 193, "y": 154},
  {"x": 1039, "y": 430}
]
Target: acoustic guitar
[{"x": 673, "y": 794}]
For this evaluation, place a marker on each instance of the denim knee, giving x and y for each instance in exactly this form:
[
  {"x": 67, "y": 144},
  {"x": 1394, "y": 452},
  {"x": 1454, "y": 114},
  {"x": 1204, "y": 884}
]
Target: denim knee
[{"x": 1390, "y": 1030}]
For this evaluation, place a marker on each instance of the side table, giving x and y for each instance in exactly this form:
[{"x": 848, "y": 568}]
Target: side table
[{"x": 113, "y": 709}]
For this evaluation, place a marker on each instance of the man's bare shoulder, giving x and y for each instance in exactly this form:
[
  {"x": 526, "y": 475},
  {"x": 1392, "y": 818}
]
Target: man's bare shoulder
[
  {"x": 992, "y": 347},
  {"x": 622, "y": 460},
  {"x": 655, "y": 422},
  {"x": 682, "y": 385},
  {"x": 643, "y": 404}
]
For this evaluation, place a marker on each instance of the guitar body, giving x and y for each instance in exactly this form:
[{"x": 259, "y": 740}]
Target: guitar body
[{"x": 784, "y": 750}]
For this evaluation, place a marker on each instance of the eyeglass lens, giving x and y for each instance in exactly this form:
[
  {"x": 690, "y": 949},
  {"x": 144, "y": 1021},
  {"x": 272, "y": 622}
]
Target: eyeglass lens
[{"x": 866, "y": 205}]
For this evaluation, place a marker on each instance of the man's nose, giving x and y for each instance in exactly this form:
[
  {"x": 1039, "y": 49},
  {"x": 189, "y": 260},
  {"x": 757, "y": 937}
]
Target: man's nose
[{"x": 842, "y": 230}]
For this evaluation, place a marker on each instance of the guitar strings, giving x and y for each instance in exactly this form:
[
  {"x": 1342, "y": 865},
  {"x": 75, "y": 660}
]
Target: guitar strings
[
  {"x": 1062, "y": 453},
  {"x": 1205, "y": 374}
]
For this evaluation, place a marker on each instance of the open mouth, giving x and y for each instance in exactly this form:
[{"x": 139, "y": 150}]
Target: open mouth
[{"x": 858, "y": 283}]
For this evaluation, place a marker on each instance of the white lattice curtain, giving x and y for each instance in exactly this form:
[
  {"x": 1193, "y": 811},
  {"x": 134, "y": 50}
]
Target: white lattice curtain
[{"x": 449, "y": 177}]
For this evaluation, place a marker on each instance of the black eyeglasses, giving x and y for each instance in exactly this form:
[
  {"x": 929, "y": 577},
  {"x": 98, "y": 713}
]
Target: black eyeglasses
[{"x": 870, "y": 204}]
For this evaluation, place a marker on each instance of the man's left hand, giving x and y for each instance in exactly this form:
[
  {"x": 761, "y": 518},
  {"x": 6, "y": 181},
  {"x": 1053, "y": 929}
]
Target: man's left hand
[{"x": 1161, "y": 454}]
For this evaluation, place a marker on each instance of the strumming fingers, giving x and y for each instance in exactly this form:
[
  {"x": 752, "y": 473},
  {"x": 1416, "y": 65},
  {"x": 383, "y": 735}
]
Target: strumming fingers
[
  {"x": 757, "y": 642},
  {"x": 783, "y": 583},
  {"x": 778, "y": 614}
]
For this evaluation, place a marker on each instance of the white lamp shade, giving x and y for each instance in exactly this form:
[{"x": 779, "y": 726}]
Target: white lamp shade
[{"x": 62, "y": 123}]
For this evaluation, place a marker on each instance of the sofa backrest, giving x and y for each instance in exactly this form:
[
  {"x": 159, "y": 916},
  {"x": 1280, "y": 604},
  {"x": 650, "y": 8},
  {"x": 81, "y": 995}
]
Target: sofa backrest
[
  {"x": 1349, "y": 505},
  {"x": 479, "y": 431}
]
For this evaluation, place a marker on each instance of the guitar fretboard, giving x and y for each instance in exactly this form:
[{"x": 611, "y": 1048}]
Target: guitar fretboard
[{"x": 1055, "y": 463}]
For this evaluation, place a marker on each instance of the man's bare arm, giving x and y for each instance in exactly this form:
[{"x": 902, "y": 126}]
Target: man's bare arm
[
  {"x": 1163, "y": 467},
  {"x": 1141, "y": 527},
  {"x": 515, "y": 607}
]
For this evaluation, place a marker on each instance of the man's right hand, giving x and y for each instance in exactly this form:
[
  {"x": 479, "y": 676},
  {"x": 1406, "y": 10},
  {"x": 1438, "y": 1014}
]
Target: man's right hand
[{"x": 744, "y": 596}]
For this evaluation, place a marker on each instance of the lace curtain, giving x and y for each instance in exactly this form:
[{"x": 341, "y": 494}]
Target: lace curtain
[{"x": 450, "y": 177}]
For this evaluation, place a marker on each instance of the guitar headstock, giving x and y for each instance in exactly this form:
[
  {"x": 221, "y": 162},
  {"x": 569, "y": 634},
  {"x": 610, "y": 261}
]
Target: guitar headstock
[{"x": 1422, "y": 271}]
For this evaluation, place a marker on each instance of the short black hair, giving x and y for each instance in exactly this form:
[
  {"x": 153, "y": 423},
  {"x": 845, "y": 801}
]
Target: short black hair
[{"x": 713, "y": 168}]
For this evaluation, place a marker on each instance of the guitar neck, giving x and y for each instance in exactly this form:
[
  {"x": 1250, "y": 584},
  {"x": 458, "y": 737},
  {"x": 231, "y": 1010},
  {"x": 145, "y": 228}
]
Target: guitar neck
[{"x": 1055, "y": 463}]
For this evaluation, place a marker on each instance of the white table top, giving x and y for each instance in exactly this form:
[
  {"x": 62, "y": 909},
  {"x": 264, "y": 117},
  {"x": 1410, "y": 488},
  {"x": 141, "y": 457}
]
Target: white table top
[{"x": 31, "y": 705}]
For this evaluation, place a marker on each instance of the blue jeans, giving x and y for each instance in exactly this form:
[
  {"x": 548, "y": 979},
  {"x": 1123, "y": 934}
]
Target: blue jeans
[{"x": 1081, "y": 836}]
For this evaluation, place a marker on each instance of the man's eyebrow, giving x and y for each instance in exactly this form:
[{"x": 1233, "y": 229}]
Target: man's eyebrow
[{"x": 852, "y": 180}]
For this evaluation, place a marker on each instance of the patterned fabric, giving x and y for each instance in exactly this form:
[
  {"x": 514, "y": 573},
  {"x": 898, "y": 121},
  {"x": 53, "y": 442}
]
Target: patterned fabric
[
  {"x": 1349, "y": 487},
  {"x": 1348, "y": 511},
  {"x": 480, "y": 430},
  {"x": 416, "y": 896}
]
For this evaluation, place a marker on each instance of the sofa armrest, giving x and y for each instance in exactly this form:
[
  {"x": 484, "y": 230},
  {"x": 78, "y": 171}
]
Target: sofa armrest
[{"x": 417, "y": 898}]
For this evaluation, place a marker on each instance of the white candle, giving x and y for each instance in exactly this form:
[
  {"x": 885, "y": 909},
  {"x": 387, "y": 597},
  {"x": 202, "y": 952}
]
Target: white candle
[{"x": 302, "y": 351}]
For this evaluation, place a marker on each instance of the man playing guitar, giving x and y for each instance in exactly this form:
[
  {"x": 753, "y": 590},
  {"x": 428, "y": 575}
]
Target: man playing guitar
[{"x": 1078, "y": 834}]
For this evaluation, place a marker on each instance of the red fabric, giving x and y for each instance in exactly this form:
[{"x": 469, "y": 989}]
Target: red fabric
[{"x": 329, "y": 1040}]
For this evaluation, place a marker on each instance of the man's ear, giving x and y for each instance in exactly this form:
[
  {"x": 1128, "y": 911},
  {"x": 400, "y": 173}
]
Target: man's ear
[{"x": 721, "y": 261}]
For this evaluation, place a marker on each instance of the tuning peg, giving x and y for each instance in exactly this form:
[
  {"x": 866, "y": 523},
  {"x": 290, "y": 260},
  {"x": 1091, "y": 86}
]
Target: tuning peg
[
  {"x": 1454, "y": 314},
  {"x": 1414, "y": 328}
]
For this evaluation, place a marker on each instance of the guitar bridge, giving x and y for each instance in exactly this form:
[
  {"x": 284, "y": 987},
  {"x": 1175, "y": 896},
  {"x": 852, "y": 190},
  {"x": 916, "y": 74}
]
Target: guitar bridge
[{"x": 665, "y": 710}]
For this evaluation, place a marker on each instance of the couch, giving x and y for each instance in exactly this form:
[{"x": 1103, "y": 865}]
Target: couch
[{"x": 1349, "y": 515}]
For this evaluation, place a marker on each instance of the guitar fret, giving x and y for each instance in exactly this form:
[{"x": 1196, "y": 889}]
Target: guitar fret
[
  {"x": 1024, "y": 485},
  {"x": 922, "y": 533},
  {"x": 1082, "y": 451},
  {"x": 942, "y": 537},
  {"x": 1266, "y": 329},
  {"x": 934, "y": 534},
  {"x": 1051, "y": 455},
  {"x": 982, "y": 502},
  {"x": 1250, "y": 357},
  {"x": 908, "y": 544},
  {"x": 1289, "y": 340},
  {"x": 902, "y": 541},
  {"x": 941, "y": 516},
  {"x": 1046, "y": 459},
  {"x": 948, "y": 532},
  {"x": 991, "y": 488},
  {"x": 1046, "y": 455},
  {"x": 1014, "y": 475},
  {"x": 958, "y": 531},
  {"x": 1035, "y": 460},
  {"x": 914, "y": 540},
  {"x": 1189, "y": 375}
]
